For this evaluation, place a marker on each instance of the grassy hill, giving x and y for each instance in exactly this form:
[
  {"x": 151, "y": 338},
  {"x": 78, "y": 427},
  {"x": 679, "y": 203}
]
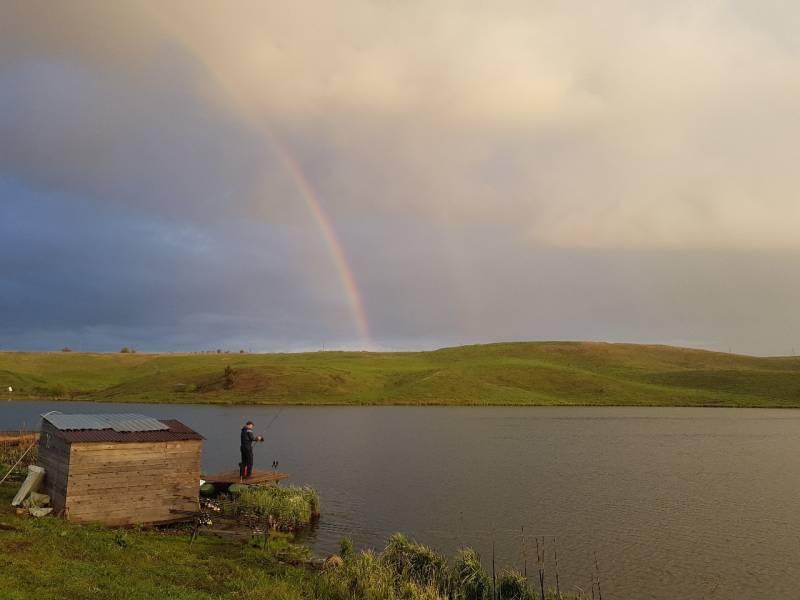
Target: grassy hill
[{"x": 534, "y": 373}]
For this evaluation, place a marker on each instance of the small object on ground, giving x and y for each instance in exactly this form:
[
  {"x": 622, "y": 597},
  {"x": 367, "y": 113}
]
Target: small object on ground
[
  {"x": 39, "y": 511},
  {"x": 208, "y": 490},
  {"x": 31, "y": 484},
  {"x": 333, "y": 561},
  {"x": 36, "y": 500}
]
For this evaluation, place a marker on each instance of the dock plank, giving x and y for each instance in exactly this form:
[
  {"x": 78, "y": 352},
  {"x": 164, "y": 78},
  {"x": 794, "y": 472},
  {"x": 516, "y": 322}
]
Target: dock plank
[{"x": 258, "y": 476}]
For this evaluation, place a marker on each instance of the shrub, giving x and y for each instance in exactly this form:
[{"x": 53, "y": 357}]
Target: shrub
[
  {"x": 370, "y": 576},
  {"x": 346, "y": 548},
  {"x": 125, "y": 350},
  {"x": 469, "y": 580},
  {"x": 59, "y": 390},
  {"x": 512, "y": 585},
  {"x": 366, "y": 577},
  {"x": 416, "y": 562},
  {"x": 406, "y": 570},
  {"x": 285, "y": 508},
  {"x": 228, "y": 376},
  {"x": 66, "y": 349}
]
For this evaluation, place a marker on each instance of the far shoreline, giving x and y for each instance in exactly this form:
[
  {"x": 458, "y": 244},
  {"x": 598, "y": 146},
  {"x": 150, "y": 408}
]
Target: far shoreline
[
  {"x": 387, "y": 405},
  {"x": 583, "y": 374}
]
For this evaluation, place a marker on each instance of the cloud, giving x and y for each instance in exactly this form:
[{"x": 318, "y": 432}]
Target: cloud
[
  {"x": 488, "y": 167},
  {"x": 627, "y": 124}
]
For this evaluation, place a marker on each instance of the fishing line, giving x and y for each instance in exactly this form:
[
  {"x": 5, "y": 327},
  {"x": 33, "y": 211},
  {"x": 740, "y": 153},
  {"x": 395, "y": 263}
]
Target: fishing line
[
  {"x": 277, "y": 414},
  {"x": 271, "y": 422}
]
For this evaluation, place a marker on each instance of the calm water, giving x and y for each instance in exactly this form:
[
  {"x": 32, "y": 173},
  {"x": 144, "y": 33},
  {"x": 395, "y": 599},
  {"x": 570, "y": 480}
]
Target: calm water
[{"x": 676, "y": 502}]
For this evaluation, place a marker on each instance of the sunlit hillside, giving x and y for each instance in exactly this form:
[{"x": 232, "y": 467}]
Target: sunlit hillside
[{"x": 535, "y": 373}]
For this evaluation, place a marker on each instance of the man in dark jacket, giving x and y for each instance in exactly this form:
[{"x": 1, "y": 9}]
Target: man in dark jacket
[{"x": 246, "y": 466}]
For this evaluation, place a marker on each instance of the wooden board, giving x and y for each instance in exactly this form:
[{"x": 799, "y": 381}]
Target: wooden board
[
  {"x": 258, "y": 476},
  {"x": 129, "y": 483},
  {"x": 54, "y": 456}
]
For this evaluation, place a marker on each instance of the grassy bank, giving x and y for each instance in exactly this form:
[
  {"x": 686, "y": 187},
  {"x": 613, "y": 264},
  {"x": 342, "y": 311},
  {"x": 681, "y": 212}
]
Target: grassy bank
[
  {"x": 50, "y": 558},
  {"x": 536, "y": 373},
  {"x": 285, "y": 508}
]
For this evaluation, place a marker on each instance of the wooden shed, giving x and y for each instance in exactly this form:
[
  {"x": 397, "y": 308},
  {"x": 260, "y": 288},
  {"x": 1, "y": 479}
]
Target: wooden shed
[{"x": 119, "y": 469}]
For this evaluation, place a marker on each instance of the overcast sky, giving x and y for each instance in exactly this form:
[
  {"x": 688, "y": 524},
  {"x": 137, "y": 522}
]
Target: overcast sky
[{"x": 181, "y": 175}]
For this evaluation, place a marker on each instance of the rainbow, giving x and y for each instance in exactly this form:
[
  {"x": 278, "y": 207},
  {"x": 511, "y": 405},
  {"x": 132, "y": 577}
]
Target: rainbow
[
  {"x": 301, "y": 182},
  {"x": 335, "y": 247}
]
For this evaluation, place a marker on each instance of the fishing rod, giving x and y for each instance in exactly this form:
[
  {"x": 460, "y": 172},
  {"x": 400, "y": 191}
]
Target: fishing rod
[
  {"x": 277, "y": 414},
  {"x": 260, "y": 438}
]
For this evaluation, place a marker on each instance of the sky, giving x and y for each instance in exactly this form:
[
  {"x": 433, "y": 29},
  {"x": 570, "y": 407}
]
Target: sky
[{"x": 285, "y": 176}]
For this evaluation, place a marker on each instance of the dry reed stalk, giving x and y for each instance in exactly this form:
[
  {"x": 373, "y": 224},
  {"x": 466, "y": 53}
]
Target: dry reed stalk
[
  {"x": 494, "y": 575},
  {"x": 524, "y": 556},
  {"x": 597, "y": 575},
  {"x": 540, "y": 556},
  {"x": 555, "y": 550}
]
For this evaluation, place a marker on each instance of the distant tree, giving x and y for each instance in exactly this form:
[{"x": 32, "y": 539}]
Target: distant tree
[
  {"x": 241, "y": 351},
  {"x": 219, "y": 351},
  {"x": 66, "y": 349},
  {"x": 228, "y": 376},
  {"x": 59, "y": 391},
  {"x": 125, "y": 350}
]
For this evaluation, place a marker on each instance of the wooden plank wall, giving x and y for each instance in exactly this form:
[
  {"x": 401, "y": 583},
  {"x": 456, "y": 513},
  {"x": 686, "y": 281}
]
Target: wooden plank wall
[
  {"x": 128, "y": 483},
  {"x": 53, "y": 456}
]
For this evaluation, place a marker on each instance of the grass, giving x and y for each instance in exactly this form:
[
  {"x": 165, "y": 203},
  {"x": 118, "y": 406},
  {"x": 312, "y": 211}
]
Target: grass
[
  {"x": 286, "y": 508},
  {"x": 50, "y": 558},
  {"x": 523, "y": 373}
]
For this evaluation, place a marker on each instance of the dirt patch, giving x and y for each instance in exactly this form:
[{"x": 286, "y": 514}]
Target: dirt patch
[{"x": 17, "y": 546}]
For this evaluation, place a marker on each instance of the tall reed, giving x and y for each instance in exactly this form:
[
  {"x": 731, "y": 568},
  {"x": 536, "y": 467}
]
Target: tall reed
[{"x": 407, "y": 570}]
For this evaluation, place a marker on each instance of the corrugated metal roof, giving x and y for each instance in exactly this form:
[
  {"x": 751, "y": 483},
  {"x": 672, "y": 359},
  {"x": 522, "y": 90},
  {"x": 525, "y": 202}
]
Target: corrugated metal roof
[
  {"x": 120, "y": 423},
  {"x": 172, "y": 430}
]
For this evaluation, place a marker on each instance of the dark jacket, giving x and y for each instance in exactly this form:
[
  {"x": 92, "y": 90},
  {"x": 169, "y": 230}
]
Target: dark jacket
[{"x": 247, "y": 438}]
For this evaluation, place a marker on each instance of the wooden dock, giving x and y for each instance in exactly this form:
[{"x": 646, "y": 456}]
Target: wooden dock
[{"x": 258, "y": 476}]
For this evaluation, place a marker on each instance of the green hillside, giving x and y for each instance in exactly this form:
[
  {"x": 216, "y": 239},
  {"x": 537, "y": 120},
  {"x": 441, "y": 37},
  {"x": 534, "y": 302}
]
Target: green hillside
[{"x": 535, "y": 373}]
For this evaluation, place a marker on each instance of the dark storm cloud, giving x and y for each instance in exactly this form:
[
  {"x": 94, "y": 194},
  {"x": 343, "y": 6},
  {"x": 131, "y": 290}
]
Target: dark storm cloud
[
  {"x": 95, "y": 277},
  {"x": 147, "y": 143}
]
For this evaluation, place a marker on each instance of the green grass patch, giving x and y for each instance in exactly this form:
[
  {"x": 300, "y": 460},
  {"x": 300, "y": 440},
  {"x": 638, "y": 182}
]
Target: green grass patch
[
  {"x": 407, "y": 570},
  {"x": 523, "y": 373},
  {"x": 286, "y": 508},
  {"x": 51, "y": 558}
]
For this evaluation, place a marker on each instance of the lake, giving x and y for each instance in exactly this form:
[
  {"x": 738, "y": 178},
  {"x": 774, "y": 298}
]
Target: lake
[{"x": 675, "y": 502}]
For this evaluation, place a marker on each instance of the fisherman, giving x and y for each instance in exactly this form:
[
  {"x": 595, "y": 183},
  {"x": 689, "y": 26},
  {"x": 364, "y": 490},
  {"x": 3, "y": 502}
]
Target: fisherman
[{"x": 248, "y": 437}]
